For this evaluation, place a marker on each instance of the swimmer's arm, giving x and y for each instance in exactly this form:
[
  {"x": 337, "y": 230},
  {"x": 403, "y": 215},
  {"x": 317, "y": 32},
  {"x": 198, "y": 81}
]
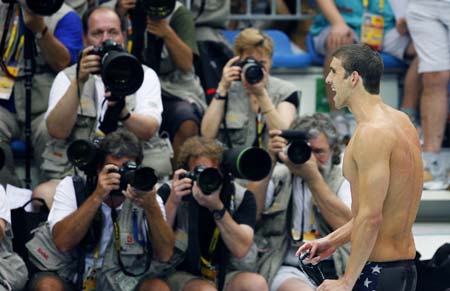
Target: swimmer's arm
[{"x": 371, "y": 155}]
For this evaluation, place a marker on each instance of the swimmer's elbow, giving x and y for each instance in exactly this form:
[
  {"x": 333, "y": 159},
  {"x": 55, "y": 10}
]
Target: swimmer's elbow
[{"x": 374, "y": 220}]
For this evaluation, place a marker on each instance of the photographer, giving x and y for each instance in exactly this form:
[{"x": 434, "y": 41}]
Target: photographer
[
  {"x": 80, "y": 106},
  {"x": 219, "y": 224},
  {"x": 248, "y": 108},
  {"x": 163, "y": 37},
  {"x": 106, "y": 210},
  {"x": 315, "y": 194},
  {"x": 56, "y": 41},
  {"x": 13, "y": 272}
]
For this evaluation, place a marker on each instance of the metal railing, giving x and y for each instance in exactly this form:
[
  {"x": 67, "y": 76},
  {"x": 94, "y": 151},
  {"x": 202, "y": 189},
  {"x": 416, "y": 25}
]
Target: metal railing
[{"x": 273, "y": 15}]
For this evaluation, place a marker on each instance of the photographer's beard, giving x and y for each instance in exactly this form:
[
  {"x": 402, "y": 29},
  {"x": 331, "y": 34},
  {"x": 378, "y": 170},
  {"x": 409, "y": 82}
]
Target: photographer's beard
[{"x": 325, "y": 169}]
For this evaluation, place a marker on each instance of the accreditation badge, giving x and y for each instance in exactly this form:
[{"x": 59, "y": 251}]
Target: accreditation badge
[
  {"x": 207, "y": 270},
  {"x": 372, "y": 30},
  {"x": 7, "y": 83}
]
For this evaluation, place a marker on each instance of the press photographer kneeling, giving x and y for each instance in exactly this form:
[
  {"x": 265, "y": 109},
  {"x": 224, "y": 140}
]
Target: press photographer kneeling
[
  {"x": 305, "y": 197},
  {"x": 218, "y": 217},
  {"x": 119, "y": 231}
]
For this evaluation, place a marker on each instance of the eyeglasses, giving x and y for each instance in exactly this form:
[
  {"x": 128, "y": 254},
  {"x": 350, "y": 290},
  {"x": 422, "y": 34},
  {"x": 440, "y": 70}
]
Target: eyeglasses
[{"x": 312, "y": 271}]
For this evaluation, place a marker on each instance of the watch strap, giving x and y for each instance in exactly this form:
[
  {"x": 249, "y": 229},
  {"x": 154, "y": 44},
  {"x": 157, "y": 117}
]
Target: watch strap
[
  {"x": 217, "y": 96},
  {"x": 218, "y": 213}
]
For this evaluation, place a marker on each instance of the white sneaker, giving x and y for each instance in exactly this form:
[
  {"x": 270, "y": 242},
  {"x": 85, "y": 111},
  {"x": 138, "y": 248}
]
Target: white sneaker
[{"x": 435, "y": 173}]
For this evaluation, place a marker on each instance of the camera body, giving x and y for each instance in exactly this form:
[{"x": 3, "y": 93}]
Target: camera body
[
  {"x": 208, "y": 179},
  {"x": 298, "y": 150},
  {"x": 121, "y": 71},
  {"x": 141, "y": 178},
  {"x": 107, "y": 47},
  {"x": 252, "y": 70}
]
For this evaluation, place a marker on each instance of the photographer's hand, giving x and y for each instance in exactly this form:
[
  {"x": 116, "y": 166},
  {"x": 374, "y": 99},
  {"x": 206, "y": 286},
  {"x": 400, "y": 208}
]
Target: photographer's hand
[
  {"x": 159, "y": 28},
  {"x": 123, "y": 6},
  {"x": 52, "y": 50},
  {"x": 107, "y": 181},
  {"x": 211, "y": 201},
  {"x": 33, "y": 22},
  {"x": 257, "y": 90},
  {"x": 89, "y": 63},
  {"x": 143, "y": 199},
  {"x": 180, "y": 187},
  {"x": 276, "y": 143},
  {"x": 230, "y": 73},
  {"x": 308, "y": 171}
]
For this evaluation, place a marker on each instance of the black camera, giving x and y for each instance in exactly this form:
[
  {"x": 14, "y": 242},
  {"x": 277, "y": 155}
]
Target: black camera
[
  {"x": 158, "y": 9},
  {"x": 141, "y": 178},
  {"x": 41, "y": 7},
  {"x": 298, "y": 150},
  {"x": 208, "y": 179},
  {"x": 121, "y": 72},
  {"x": 252, "y": 70}
]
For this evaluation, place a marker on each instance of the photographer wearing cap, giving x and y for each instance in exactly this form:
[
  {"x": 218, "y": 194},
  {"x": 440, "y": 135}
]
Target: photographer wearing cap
[
  {"x": 83, "y": 105},
  {"x": 249, "y": 101},
  {"x": 56, "y": 40},
  {"x": 163, "y": 37},
  {"x": 128, "y": 226},
  {"x": 219, "y": 223},
  {"x": 315, "y": 199}
]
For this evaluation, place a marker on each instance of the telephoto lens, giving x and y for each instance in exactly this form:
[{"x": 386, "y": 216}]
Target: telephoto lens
[{"x": 121, "y": 72}]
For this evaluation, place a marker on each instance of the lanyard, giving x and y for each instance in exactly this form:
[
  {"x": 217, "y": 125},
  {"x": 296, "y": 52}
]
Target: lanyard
[
  {"x": 147, "y": 249},
  {"x": 380, "y": 4},
  {"x": 212, "y": 247}
]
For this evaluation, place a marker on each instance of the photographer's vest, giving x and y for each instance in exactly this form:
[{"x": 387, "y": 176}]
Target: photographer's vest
[
  {"x": 55, "y": 163},
  {"x": 12, "y": 268},
  {"x": 43, "y": 75},
  {"x": 176, "y": 82},
  {"x": 210, "y": 16},
  {"x": 240, "y": 118},
  {"x": 44, "y": 254},
  {"x": 110, "y": 275},
  {"x": 271, "y": 235}
]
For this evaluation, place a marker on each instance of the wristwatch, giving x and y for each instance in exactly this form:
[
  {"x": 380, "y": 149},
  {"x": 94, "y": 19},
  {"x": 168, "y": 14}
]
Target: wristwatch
[
  {"x": 217, "y": 96},
  {"x": 218, "y": 214},
  {"x": 39, "y": 35}
]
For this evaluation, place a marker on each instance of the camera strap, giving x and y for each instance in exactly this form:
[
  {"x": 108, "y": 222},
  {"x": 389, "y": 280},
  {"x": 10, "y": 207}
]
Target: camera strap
[
  {"x": 147, "y": 249},
  {"x": 225, "y": 127},
  {"x": 110, "y": 120}
]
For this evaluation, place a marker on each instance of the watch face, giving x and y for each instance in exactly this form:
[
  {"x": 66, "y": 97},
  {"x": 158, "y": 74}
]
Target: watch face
[{"x": 218, "y": 214}]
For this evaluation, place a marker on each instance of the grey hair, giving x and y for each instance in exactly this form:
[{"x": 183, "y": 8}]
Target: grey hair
[
  {"x": 121, "y": 143},
  {"x": 318, "y": 123}
]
